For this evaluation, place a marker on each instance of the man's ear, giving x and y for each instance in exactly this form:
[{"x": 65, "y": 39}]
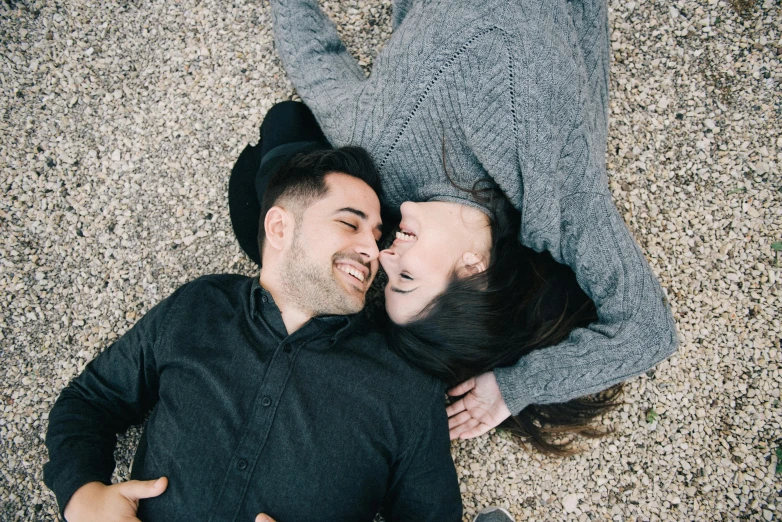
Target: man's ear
[
  {"x": 473, "y": 263},
  {"x": 278, "y": 225}
]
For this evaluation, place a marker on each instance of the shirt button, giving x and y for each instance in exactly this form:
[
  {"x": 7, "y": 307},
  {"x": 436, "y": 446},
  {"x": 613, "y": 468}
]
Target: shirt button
[
  {"x": 266, "y": 401},
  {"x": 241, "y": 465},
  {"x": 287, "y": 348},
  {"x": 264, "y": 299}
]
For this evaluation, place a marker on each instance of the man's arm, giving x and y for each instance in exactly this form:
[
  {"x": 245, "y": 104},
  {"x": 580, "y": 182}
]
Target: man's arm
[
  {"x": 114, "y": 391},
  {"x": 424, "y": 486}
]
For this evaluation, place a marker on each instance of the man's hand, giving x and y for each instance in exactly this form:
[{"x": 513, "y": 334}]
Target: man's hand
[
  {"x": 264, "y": 518},
  {"x": 482, "y": 409},
  {"x": 98, "y": 502}
]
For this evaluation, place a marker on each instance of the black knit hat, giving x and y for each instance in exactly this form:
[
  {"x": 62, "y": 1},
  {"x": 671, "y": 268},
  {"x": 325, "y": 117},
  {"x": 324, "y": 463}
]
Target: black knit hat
[{"x": 288, "y": 129}]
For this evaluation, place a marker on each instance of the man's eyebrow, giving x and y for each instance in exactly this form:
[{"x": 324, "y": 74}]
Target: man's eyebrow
[
  {"x": 358, "y": 213},
  {"x": 400, "y": 291},
  {"x": 352, "y": 210}
]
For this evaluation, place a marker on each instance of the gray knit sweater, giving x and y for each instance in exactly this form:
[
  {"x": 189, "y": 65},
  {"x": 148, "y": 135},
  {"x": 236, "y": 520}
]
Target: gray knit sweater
[{"x": 518, "y": 91}]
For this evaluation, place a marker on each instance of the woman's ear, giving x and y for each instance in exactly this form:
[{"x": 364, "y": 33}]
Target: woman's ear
[
  {"x": 277, "y": 225},
  {"x": 473, "y": 263}
]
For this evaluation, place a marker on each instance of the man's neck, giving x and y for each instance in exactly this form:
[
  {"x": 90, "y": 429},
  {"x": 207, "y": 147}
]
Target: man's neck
[{"x": 293, "y": 317}]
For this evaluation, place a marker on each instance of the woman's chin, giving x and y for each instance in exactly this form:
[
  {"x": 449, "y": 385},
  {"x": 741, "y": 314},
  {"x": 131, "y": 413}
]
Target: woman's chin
[
  {"x": 399, "y": 321},
  {"x": 397, "y": 314}
]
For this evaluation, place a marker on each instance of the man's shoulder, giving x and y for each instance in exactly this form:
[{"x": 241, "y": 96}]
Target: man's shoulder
[
  {"x": 418, "y": 385},
  {"x": 216, "y": 282},
  {"x": 213, "y": 286}
]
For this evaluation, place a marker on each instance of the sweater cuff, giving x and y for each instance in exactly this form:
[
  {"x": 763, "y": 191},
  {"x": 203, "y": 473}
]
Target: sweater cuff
[{"x": 514, "y": 393}]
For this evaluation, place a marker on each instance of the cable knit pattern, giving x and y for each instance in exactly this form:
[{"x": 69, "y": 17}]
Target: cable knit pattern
[{"x": 519, "y": 92}]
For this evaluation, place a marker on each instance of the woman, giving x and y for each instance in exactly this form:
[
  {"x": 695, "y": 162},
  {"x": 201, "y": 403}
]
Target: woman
[{"x": 465, "y": 98}]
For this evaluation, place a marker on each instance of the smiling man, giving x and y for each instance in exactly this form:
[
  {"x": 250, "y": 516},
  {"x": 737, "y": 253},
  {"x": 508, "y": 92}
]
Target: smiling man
[
  {"x": 265, "y": 394},
  {"x": 327, "y": 266}
]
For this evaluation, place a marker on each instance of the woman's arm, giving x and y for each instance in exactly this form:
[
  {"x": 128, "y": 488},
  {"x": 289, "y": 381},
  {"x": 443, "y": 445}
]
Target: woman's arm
[
  {"x": 324, "y": 73},
  {"x": 635, "y": 329},
  {"x": 550, "y": 163}
]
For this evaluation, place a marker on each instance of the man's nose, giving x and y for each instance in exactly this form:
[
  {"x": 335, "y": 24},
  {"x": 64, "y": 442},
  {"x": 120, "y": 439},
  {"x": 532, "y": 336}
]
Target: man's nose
[{"x": 367, "y": 247}]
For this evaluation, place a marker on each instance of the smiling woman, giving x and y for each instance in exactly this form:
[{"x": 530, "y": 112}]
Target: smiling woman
[
  {"x": 492, "y": 315},
  {"x": 436, "y": 239}
]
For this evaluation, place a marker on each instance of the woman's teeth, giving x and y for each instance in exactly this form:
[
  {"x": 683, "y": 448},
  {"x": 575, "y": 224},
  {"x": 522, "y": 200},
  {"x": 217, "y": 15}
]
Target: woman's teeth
[
  {"x": 404, "y": 237},
  {"x": 352, "y": 271}
]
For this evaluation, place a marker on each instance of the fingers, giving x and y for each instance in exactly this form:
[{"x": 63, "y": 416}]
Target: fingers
[
  {"x": 462, "y": 388},
  {"x": 138, "y": 489},
  {"x": 456, "y": 407},
  {"x": 464, "y": 427},
  {"x": 459, "y": 419},
  {"x": 263, "y": 518},
  {"x": 477, "y": 431}
]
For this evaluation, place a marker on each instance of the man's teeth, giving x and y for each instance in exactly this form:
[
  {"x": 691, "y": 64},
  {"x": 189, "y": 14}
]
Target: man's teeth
[
  {"x": 404, "y": 237},
  {"x": 352, "y": 271}
]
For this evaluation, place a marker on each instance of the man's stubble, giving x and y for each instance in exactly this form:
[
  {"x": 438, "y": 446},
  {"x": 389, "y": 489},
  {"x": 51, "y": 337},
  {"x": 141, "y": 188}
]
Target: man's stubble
[{"x": 314, "y": 288}]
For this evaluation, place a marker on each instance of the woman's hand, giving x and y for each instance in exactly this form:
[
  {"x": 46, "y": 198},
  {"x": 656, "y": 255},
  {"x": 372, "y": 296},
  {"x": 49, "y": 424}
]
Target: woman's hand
[{"x": 482, "y": 409}]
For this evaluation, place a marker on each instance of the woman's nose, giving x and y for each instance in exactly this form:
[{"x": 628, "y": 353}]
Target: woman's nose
[
  {"x": 388, "y": 258},
  {"x": 406, "y": 208}
]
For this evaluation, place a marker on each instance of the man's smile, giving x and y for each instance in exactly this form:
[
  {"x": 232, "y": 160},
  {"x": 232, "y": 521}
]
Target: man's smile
[{"x": 357, "y": 273}]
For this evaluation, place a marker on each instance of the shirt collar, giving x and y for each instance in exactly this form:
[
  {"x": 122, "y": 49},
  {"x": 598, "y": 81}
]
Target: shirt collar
[
  {"x": 259, "y": 297},
  {"x": 262, "y": 306}
]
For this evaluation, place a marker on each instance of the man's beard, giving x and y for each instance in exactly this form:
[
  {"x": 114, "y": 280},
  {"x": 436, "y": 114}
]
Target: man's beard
[{"x": 314, "y": 288}]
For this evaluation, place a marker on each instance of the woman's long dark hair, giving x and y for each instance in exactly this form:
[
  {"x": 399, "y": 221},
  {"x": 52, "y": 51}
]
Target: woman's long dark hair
[{"x": 524, "y": 301}]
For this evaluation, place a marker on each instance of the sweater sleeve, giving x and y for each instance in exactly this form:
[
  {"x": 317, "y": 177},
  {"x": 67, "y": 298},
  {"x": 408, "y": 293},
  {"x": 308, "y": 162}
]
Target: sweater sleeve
[
  {"x": 324, "y": 73},
  {"x": 635, "y": 329}
]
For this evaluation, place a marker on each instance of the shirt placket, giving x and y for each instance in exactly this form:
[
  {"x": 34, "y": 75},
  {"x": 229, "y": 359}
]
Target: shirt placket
[{"x": 253, "y": 440}]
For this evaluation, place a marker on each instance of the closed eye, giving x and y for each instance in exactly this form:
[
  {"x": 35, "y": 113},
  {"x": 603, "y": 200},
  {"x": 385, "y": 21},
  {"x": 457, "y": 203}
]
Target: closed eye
[
  {"x": 405, "y": 276},
  {"x": 354, "y": 227}
]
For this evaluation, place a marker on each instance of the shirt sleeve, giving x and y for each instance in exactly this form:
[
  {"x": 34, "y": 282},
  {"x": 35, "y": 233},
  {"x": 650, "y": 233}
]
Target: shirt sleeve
[
  {"x": 635, "y": 328},
  {"x": 324, "y": 73},
  {"x": 114, "y": 392},
  {"x": 424, "y": 486}
]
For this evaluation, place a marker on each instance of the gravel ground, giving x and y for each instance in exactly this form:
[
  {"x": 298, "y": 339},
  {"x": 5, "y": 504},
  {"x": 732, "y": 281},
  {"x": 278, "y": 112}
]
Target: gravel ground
[{"x": 119, "y": 123}]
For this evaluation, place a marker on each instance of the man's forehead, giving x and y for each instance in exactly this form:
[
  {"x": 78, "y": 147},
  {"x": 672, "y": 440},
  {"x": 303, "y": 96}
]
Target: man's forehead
[
  {"x": 352, "y": 190},
  {"x": 348, "y": 195}
]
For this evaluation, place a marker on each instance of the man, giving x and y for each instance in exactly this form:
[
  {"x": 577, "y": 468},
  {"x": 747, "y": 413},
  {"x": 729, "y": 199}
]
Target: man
[{"x": 267, "y": 395}]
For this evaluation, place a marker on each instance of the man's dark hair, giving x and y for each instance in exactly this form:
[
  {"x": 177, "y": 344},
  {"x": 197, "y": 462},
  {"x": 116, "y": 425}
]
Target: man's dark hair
[{"x": 302, "y": 178}]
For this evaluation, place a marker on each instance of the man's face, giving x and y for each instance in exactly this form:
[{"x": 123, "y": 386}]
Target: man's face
[{"x": 333, "y": 257}]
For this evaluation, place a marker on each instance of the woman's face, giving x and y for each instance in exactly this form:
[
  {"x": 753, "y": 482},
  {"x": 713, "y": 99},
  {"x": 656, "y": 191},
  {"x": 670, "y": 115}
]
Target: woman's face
[{"x": 435, "y": 239}]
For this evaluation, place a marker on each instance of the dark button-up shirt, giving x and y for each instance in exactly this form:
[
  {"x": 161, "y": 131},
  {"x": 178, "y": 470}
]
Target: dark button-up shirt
[{"x": 324, "y": 424}]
